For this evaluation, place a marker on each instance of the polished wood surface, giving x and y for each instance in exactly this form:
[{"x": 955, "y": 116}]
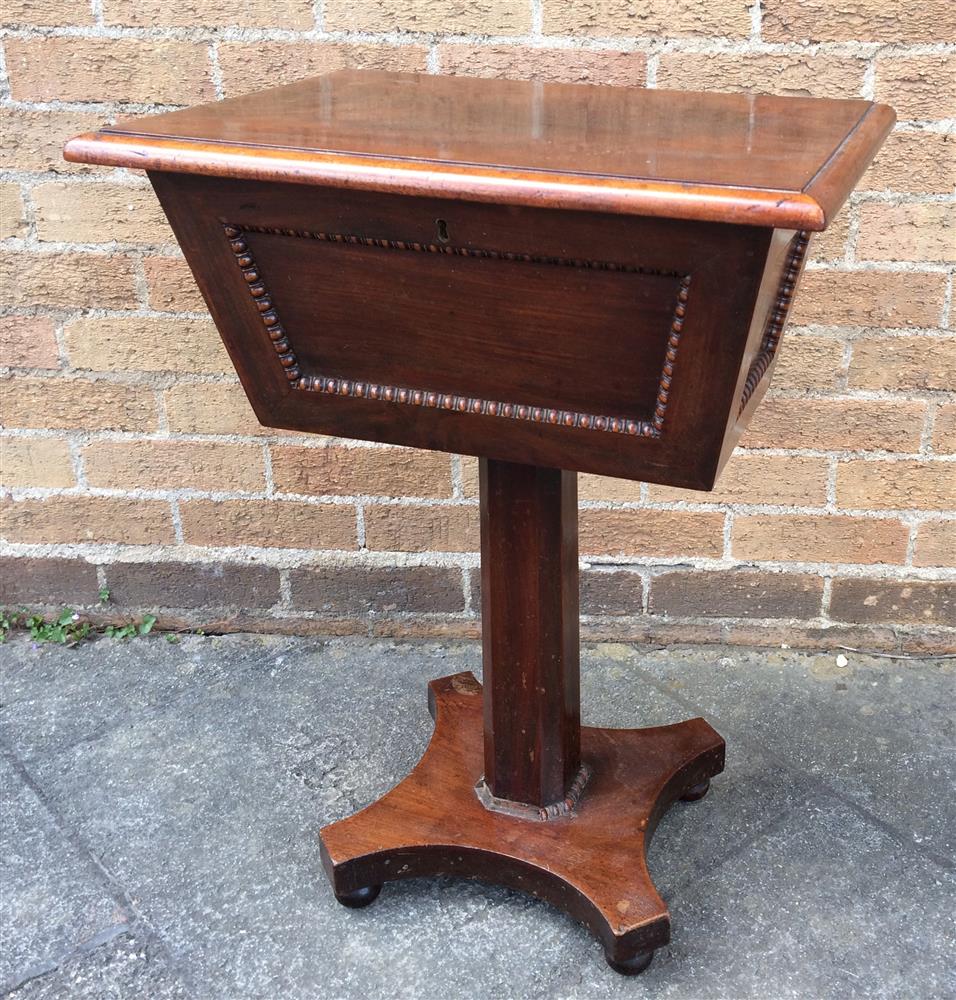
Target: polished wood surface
[
  {"x": 601, "y": 343},
  {"x": 756, "y": 160},
  {"x": 529, "y": 614},
  {"x": 549, "y": 277},
  {"x": 589, "y": 862}
]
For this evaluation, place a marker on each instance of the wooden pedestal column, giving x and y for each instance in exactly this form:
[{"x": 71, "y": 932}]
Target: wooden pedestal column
[
  {"x": 511, "y": 789},
  {"x": 529, "y": 614}
]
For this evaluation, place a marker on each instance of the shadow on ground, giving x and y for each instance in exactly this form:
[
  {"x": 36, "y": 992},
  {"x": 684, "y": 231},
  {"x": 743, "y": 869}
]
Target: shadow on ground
[{"x": 161, "y": 804}]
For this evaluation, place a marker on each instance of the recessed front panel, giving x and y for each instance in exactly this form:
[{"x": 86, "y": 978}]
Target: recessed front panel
[
  {"x": 573, "y": 340},
  {"x": 569, "y": 338}
]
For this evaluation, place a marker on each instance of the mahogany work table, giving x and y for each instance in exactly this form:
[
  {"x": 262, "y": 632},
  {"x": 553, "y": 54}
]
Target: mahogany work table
[{"x": 551, "y": 277}]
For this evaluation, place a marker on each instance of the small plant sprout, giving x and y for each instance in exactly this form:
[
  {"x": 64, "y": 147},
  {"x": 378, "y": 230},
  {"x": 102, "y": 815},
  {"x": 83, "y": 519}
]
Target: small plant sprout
[{"x": 69, "y": 627}]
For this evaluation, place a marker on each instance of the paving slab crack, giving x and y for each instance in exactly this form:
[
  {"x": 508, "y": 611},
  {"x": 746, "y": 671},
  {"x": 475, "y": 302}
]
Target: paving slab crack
[
  {"x": 118, "y": 892},
  {"x": 900, "y": 836},
  {"x": 102, "y": 937}
]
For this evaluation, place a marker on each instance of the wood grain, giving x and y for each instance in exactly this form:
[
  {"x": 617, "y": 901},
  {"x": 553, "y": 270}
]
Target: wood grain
[
  {"x": 769, "y": 161},
  {"x": 589, "y": 863}
]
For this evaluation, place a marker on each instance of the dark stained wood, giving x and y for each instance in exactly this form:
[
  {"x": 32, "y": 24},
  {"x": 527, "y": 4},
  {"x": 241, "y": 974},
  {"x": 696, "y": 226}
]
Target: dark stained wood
[
  {"x": 600, "y": 343},
  {"x": 529, "y": 614},
  {"x": 590, "y": 863},
  {"x": 777, "y": 161},
  {"x": 549, "y": 277}
]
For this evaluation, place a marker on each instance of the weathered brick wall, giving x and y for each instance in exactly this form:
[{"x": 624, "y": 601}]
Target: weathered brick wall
[{"x": 132, "y": 460}]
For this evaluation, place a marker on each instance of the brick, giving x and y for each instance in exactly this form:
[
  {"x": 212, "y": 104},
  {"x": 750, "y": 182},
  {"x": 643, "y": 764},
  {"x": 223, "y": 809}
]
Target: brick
[
  {"x": 653, "y": 631},
  {"x": 469, "y": 476},
  {"x": 88, "y": 519},
  {"x": 918, "y": 87},
  {"x": 421, "y": 529},
  {"x": 480, "y": 17},
  {"x": 916, "y": 602},
  {"x": 605, "y": 488},
  {"x": 824, "y": 539},
  {"x": 799, "y": 636},
  {"x": 802, "y": 75},
  {"x": 78, "y": 280},
  {"x": 809, "y": 362},
  {"x": 33, "y": 140},
  {"x": 831, "y": 244},
  {"x": 174, "y": 465},
  {"x": 519, "y": 62},
  {"x": 28, "y": 342},
  {"x": 928, "y": 641},
  {"x": 794, "y": 480},
  {"x": 393, "y": 472},
  {"x": 606, "y": 593},
  {"x": 268, "y": 523},
  {"x": 211, "y": 408},
  {"x": 696, "y": 594},
  {"x": 145, "y": 343},
  {"x": 650, "y": 532},
  {"x": 652, "y": 17},
  {"x": 896, "y": 21},
  {"x": 171, "y": 286},
  {"x": 359, "y": 590},
  {"x": 944, "y": 430},
  {"x": 836, "y": 424},
  {"x": 935, "y": 544},
  {"x": 423, "y": 628},
  {"x": 870, "y": 298},
  {"x": 28, "y": 461},
  {"x": 13, "y": 220},
  {"x": 903, "y": 363},
  {"x": 192, "y": 585},
  {"x": 59, "y": 403},
  {"x": 293, "y": 15},
  {"x": 911, "y": 485},
  {"x": 921, "y": 162},
  {"x": 145, "y": 71},
  {"x": 46, "y": 581},
  {"x": 251, "y": 66},
  {"x": 611, "y": 593},
  {"x": 914, "y": 232},
  {"x": 99, "y": 213},
  {"x": 52, "y": 13}
]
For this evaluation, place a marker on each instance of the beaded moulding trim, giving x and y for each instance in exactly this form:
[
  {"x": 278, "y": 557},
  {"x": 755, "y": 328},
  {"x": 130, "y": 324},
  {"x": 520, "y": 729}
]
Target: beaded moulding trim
[
  {"x": 409, "y": 396},
  {"x": 777, "y": 319}
]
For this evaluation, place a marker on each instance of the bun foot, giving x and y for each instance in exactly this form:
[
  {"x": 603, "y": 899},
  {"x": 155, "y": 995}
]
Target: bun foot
[
  {"x": 434, "y": 823},
  {"x": 631, "y": 966},
  {"x": 359, "y": 898},
  {"x": 696, "y": 792}
]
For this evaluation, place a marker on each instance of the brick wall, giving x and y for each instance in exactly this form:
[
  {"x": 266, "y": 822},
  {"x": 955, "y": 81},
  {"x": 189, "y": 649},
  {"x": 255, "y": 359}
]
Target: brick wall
[{"x": 132, "y": 460}]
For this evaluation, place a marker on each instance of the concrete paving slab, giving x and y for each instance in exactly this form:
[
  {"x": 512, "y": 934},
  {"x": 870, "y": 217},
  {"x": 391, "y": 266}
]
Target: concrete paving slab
[
  {"x": 880, "y": 731},
  {"x": 200, "y": 774},
  {"x": 121, "y": 968},
  {"x": 826, "y": 907},
  {"x": 52, "y": 899}
]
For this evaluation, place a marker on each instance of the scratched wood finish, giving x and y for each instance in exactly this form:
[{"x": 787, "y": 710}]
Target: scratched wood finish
[
  {"x": 589, "y": 863},
  {"x": 529, "y": 614},
  {"x": 549, "y": 277}
]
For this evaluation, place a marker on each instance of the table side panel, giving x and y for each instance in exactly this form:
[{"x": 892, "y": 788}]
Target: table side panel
[
  {"x": 480, "y": 324},
  {"x": 575, "y": 340},
  {"x": 784, "y": 266}
]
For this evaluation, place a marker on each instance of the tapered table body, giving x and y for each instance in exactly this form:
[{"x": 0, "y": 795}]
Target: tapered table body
[{"x": 555, "y": 279}]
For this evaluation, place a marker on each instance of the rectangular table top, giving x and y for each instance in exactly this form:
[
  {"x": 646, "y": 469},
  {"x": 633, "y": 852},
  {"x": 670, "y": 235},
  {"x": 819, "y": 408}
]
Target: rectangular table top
[{"x": 761, "y": 160}]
